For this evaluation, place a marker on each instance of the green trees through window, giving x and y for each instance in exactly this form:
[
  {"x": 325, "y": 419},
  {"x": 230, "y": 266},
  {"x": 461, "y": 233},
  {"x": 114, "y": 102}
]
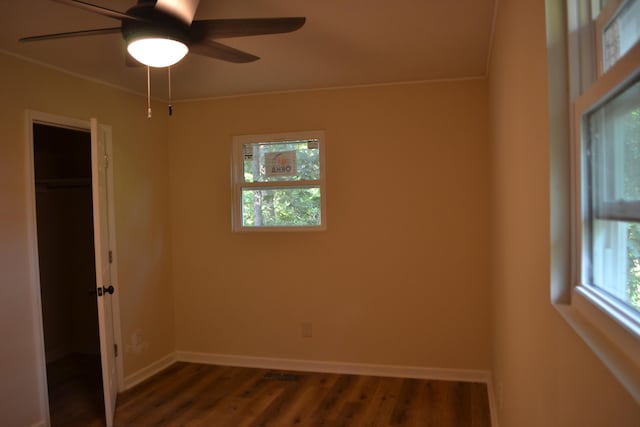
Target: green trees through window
[
  {"x": 632, "y": 192},
  {"x": 279, "y": 182}
]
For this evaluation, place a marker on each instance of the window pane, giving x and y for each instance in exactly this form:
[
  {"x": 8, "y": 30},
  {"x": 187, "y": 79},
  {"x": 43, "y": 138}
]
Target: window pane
[
  {"x": 614, "y": 167},
  {"x": 621, "y": 34},
  {"x": 616, "y": 260},
  {"x": 281, "y": 207},
  {"x": 281, "y": 161},
  {"x": 614, "y": 136}
]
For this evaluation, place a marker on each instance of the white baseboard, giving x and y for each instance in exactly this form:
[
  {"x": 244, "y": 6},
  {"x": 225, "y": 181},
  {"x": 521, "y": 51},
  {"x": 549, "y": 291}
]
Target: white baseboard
[
  {"x": 493, "y": 403},
  {"x": 336, "y": 367},
  {"x": 148, "y": 371}
]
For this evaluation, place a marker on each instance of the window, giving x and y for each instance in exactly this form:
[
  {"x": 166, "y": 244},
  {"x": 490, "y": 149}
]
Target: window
[
  {"x": 595, "y": 179},
  {"x": 612, "y": 186},
  {"x": 278, "y": 182},
  {"x": 608, "y": 185}
]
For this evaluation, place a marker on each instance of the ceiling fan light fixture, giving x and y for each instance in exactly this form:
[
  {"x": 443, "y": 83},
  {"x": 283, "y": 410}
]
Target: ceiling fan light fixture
[{"x": 158, "y": 52}]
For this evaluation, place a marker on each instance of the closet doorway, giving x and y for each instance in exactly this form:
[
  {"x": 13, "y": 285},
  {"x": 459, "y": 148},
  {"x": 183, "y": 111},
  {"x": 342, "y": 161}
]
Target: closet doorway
[{"x": 67, "y": 273}]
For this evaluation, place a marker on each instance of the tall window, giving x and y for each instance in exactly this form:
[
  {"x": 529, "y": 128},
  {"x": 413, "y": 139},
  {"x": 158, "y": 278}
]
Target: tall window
[
  {"x": 595, "y": 177},
  {"x": 608, "y": 162},
  {"x": 612, "y": 189},
  {"x": 278, "y": 182}
]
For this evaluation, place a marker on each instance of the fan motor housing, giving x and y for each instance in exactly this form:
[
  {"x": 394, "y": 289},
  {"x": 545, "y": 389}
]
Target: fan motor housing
[{"x": 156, "y": 23}]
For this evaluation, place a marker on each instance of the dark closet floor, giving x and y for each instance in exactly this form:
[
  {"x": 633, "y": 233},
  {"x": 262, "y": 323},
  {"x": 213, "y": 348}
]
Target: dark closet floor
[{"x": 75, "y": 391}]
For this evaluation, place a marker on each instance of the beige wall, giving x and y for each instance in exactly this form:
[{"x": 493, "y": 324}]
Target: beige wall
[
  {"x": 401, "y": 276},
  {"x": 142, "y": 216},
  {"x": 545, "y": 375}
]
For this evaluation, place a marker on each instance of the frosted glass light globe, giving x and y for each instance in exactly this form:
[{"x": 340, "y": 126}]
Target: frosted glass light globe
[{"x": 156, "y": 51}]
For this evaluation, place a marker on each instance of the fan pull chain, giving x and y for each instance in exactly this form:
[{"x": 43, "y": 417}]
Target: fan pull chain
[
  {"x": 169, "y": 78},
  {"x": 148, "y": 93}
]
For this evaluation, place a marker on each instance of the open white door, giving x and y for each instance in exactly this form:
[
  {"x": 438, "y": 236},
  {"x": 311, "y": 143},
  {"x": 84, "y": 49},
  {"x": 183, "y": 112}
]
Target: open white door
[{"x": 100, "y": 137}]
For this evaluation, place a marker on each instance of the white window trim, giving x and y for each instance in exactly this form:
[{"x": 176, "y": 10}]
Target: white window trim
[
  {"x": 602, "y": 322},
  {"x": 237, "y": 180}
]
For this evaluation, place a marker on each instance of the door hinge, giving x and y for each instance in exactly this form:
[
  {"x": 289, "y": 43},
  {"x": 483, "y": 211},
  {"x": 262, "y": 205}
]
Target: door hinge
[
  {"x": 115, "y": 350},
  {"x": 110, "y": 257}
]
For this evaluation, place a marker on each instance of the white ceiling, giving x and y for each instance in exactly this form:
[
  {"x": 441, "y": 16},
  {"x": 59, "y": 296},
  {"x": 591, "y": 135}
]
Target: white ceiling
[{"x": 343, "y": 43}]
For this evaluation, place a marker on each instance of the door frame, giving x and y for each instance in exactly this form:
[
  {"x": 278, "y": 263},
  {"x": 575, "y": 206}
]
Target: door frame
[{"x": 32, "y": 237}]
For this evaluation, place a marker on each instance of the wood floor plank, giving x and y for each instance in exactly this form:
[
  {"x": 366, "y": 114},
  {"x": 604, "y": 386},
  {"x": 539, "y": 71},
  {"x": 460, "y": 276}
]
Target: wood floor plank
[
  {"x": 443, "y": 405},
  {"x": 186, "y": 400},
  {"x": 480, "y": 415},
  {"x": 195, "y": 395},
  {"x": 216, "y": 401},
  {"x": 329, "y": 407},
  {"x": 406, "y": 398},
  {"x": 384, "y": 402},
  {"x": 278, "y": 409},
  {"x": 358, "y": 400},
  {"x": 258, "y": 399},
  {"x": 311, "y": 391},
  {"x": 138, "y": 407},
  {"x": 252, "y": 397}
]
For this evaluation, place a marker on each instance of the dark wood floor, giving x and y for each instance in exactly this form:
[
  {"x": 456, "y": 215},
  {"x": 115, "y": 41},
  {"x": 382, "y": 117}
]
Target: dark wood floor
[
  {"x": 203, "y": 395},
  {"x": 75, "y": 391}
]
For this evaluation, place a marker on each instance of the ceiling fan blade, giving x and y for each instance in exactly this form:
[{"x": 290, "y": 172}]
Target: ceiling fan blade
[
  {"x": 82, "y": 33},
  {"x": 185, "y": 10},
  {"x": 224, "y": 28},
  {"x": 100, "y": 10},
  {"x": 219, "y": 51}
]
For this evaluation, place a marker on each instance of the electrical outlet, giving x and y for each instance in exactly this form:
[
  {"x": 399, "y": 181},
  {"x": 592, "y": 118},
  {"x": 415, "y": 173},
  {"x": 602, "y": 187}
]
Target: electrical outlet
[
  {"x": 137, "y": 344},
  {"x": 306, "y": 329},
  {"x": 137, "y": 337}
]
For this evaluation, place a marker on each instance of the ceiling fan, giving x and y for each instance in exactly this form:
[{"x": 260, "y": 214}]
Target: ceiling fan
[{"x": 159, "y": 33}]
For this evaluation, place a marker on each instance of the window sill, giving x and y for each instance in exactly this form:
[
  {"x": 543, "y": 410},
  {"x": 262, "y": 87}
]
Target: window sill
[
  {"x": 617, "y": 347},
  {"x": 284, "y": 229}
]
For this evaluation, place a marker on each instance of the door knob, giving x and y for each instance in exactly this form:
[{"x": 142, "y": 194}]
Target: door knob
[{"x": 105, "y": 290}]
